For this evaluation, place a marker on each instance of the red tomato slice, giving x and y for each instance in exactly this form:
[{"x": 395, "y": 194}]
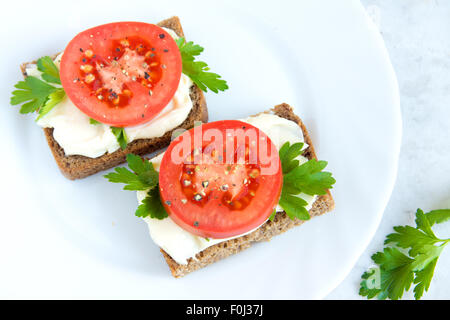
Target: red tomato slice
[
  {"x": 123, "y": 73},
  {"x": 221, "y": 179}
]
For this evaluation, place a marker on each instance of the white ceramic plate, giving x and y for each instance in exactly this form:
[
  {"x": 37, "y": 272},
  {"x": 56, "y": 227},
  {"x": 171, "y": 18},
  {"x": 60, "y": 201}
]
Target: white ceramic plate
[{"x": 65, "y": 239}]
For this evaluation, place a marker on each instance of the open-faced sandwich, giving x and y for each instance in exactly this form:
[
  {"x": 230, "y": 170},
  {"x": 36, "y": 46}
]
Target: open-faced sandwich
[
  {"x": 223, "y": 185},
  {"x": 116, "y": 89}
]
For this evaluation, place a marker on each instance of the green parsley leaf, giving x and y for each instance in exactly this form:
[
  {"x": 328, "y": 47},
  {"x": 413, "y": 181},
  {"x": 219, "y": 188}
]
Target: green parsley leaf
[
  {"x": 53, "y": 99},
  {"x": 398, "y": 271},
  {"x": 310, "y": 179},
  {"x": 294, "y": 206},
  {"x": 409, "y": 237},
  {"x": 152, "y": 206},
  {"x": 438, "y": 216},
  {"x": 307, "y": 178},
  {"x": 50, "y": 71},
  {"x": 36, "y": 94},
  {"x": 93, "y": 121},
  {"x": 288, "y": 155},
  {"x": 143, "y": 177},
  {"x": 198, "y": 70},
  {"x": 423, "y": 223},
  {"x": 33, "y": 91},
  {"x": 121, "y": 136},
  {"x": 188, "y": 49},
  {"x": 423, "y": 279}
]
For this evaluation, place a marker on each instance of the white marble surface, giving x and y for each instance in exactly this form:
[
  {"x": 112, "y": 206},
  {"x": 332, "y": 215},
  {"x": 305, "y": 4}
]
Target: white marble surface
[{"x": 417, "y": 36}]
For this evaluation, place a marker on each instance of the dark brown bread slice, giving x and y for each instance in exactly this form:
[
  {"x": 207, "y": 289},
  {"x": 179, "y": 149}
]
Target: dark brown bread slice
[
  {"x": 77, "y": 166},
  {"x": 280, "y": 224}
]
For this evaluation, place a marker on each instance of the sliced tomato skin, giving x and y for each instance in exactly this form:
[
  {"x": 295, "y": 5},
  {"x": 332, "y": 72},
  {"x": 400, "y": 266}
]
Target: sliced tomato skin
[
  {"x": 215, "y": 220},
  {"x": 144, "y": 104}
]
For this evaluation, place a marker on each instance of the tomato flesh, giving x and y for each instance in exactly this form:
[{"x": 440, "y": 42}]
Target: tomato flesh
[
  {"x": 223, "y": 186},
  {"x": 121, "y": 74}
]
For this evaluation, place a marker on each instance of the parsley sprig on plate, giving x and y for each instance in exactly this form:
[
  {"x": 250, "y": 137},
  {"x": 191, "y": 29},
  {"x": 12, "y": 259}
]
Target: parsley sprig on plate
[
  {"x": 142, "y": 176},
  {"x": 198, "y": 70},
  {"x": 308, "y": 178},
  {"x": 410, "y": 258},
  {"x": 38, "y": 95}
]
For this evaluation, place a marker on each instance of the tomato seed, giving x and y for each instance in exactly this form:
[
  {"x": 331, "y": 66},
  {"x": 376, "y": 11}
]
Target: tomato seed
[
  {"x": 87, "y": 68},
  {"x": 89, "y": 78},
  {"x": 88, "y": 53}
]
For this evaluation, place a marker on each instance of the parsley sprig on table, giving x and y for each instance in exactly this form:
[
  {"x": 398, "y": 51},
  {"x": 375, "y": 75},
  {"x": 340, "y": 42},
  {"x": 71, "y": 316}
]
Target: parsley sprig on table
[
  {"x": 198, "y": 70},
  {"x": 299, "y": 178},
  {"x": 409, "y": 259},
  {"x": 38, "y": 95},
  {"x": 142, "y": 177}
]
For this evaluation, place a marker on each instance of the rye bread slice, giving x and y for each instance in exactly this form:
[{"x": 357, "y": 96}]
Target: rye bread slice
[
  {"x": 77, "y": 166},
  {"x": 280, "y": 223}
]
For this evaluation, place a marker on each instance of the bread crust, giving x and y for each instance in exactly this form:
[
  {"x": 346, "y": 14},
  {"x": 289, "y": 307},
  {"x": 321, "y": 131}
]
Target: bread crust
[
  {"x": 78, "y": 166},
  {"x": 269, "y": 229}
]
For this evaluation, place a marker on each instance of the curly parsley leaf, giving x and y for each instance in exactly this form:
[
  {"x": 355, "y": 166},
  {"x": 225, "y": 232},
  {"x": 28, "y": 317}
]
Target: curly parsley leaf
[
  {"x": 399, "y": 271},
  {"x": 121, "y": 136},
  {"x": 50, "y": 71},
  {"x": 34, "y": 92},
  {"x": 198, "y": 70},
  {"x": 152, "y": 206},
  {"x": 142, "y": 177},
  {"x": 306, "y": 178}
]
